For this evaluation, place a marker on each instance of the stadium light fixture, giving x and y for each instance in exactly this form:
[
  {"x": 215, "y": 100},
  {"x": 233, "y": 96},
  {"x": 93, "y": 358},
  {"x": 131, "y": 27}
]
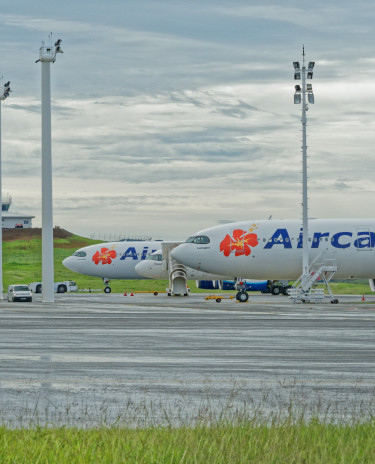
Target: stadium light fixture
[{"x": 297, "y": 70}]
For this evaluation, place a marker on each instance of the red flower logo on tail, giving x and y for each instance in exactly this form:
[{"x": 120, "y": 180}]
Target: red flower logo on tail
[
  {"x": 240, "y": 243},
  {"x": 105, "y": 256}
]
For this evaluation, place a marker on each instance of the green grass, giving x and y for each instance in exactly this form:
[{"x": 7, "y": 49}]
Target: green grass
[
  {"x": 246, "y": 443},
  {"x": 22, "y": 263},
  {"x": 22, "y": 259},
  {"x": 351, "y": 288}
]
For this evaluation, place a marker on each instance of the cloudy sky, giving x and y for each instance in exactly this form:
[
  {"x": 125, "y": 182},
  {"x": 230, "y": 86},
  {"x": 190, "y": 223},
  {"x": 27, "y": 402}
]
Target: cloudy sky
[{"x": 171, "y": 116}]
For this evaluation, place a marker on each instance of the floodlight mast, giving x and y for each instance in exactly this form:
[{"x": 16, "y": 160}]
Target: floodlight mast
[
  {"x": 4, "y": 93},
  {"x": 47, "y": 55},
  {"x": 297, "y": 99}
]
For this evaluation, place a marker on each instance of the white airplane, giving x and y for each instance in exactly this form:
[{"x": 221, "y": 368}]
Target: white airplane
[
  {"x": 113, "y": 260},
  {"x": 272, "y": 249},
  {"x": 129, "y": 260}
]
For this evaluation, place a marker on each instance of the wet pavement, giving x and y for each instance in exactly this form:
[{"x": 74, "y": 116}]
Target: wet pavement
[{"x": 102, "y": 358}]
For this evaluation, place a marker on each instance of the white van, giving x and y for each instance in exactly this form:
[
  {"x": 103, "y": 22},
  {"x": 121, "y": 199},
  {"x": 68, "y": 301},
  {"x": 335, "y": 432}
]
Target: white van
[{"x": 19, "y": 293}]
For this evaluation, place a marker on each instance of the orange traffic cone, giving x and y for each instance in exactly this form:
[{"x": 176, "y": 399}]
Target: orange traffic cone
[
  {"x": 363, "y": 297},
  {"x": 125, "y": 294},
  {"x": 132, "y": 294}
]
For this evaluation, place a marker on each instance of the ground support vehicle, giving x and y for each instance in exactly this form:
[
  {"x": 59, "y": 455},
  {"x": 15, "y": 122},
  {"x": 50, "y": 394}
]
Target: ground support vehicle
[
  {"x": 59, "y": 287},
  {"x": 279, "y": 287}
]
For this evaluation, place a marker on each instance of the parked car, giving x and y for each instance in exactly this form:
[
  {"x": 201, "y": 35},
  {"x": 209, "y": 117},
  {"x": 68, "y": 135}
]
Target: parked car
[{"x": 19, "y": 293}]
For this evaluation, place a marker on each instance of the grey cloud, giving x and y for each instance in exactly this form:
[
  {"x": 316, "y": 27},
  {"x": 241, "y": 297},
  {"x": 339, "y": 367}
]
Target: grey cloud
[
  {"x": 224, "y": 221},
  {"x": 340, "y": 186},
  {"x": 32, "y": 108},
  {"x": 115, "y": 201}
]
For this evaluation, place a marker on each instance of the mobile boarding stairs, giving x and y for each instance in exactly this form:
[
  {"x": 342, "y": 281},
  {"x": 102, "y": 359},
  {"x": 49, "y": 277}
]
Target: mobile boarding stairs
[
  {"x": 177, "y": 272},
  {"x": 321, "y": 270}
]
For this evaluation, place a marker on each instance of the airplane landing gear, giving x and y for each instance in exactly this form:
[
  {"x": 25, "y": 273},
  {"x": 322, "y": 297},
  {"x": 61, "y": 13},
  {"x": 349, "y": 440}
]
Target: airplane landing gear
[
  {"x": 107, "y": 288},
  {"x": 242, "y": 297}
]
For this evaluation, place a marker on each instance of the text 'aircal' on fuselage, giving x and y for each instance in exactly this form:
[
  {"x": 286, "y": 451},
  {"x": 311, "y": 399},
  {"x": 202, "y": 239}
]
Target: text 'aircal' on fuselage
[{"x": 364, "y": 239}]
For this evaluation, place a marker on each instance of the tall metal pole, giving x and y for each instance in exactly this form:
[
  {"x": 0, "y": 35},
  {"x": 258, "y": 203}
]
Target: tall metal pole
[
  {"x": 46, "y": 56},
  {"x": 1, "y": 217},
  {"x": 305, "y": 91},
  {"x": 305, "y": 242},
  {"x": 47, "y": 209},
  {"x": 3, "y": 95}
]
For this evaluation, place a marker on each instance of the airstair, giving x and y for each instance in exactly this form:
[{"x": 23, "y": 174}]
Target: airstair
[
  {"x": 321, "y": 270},
  {"x": 177, "y": 272}
]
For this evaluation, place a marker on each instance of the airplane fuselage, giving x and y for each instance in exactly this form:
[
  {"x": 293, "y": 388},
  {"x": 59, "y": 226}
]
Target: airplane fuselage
[{"x": 272, "y": 249}]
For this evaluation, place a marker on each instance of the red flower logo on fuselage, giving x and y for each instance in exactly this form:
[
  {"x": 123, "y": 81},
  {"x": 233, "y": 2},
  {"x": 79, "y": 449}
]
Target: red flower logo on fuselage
[
  {"x": 105, "y": 256},
  {"x": 240, "y": 243}
]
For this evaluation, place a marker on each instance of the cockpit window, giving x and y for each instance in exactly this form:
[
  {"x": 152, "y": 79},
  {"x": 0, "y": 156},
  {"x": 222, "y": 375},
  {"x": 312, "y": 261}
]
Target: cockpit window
[
  {"x": 80, "y": 254},
  {"x": 158, "y": 257},
  {"x": 198, "y": 239}
]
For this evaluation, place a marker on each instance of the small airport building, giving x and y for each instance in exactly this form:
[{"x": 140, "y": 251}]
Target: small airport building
[{"x": 14, "y": 220}]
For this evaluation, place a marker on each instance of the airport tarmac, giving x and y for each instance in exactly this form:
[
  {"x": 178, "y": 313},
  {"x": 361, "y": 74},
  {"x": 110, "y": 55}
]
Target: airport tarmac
[{"x": 144, "y": 359}]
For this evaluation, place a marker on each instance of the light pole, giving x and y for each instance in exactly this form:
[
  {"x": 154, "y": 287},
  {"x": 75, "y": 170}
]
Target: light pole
[
  {"x": 47, "y": 55},
  {"x": 305, "y": 90},
  {"x": 4, "y": 93}
]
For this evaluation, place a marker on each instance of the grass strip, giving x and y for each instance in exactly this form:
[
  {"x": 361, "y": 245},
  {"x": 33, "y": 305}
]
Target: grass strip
[{"x": 314, "y": 442}]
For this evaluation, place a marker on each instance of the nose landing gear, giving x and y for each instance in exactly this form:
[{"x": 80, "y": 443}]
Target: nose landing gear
[
  {"x": 242, "y": 296},
  {"x": 107, "y": 288}
]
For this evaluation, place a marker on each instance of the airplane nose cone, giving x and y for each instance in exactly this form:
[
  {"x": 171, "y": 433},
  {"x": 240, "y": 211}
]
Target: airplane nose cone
[
  {"x": 71, "y": 264},
  {"x": 183, "y": 254},
  {"x": 142, "y": 268},
  {"x": 151, "y": 269},
  {"x": 66, "y": 263}
]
